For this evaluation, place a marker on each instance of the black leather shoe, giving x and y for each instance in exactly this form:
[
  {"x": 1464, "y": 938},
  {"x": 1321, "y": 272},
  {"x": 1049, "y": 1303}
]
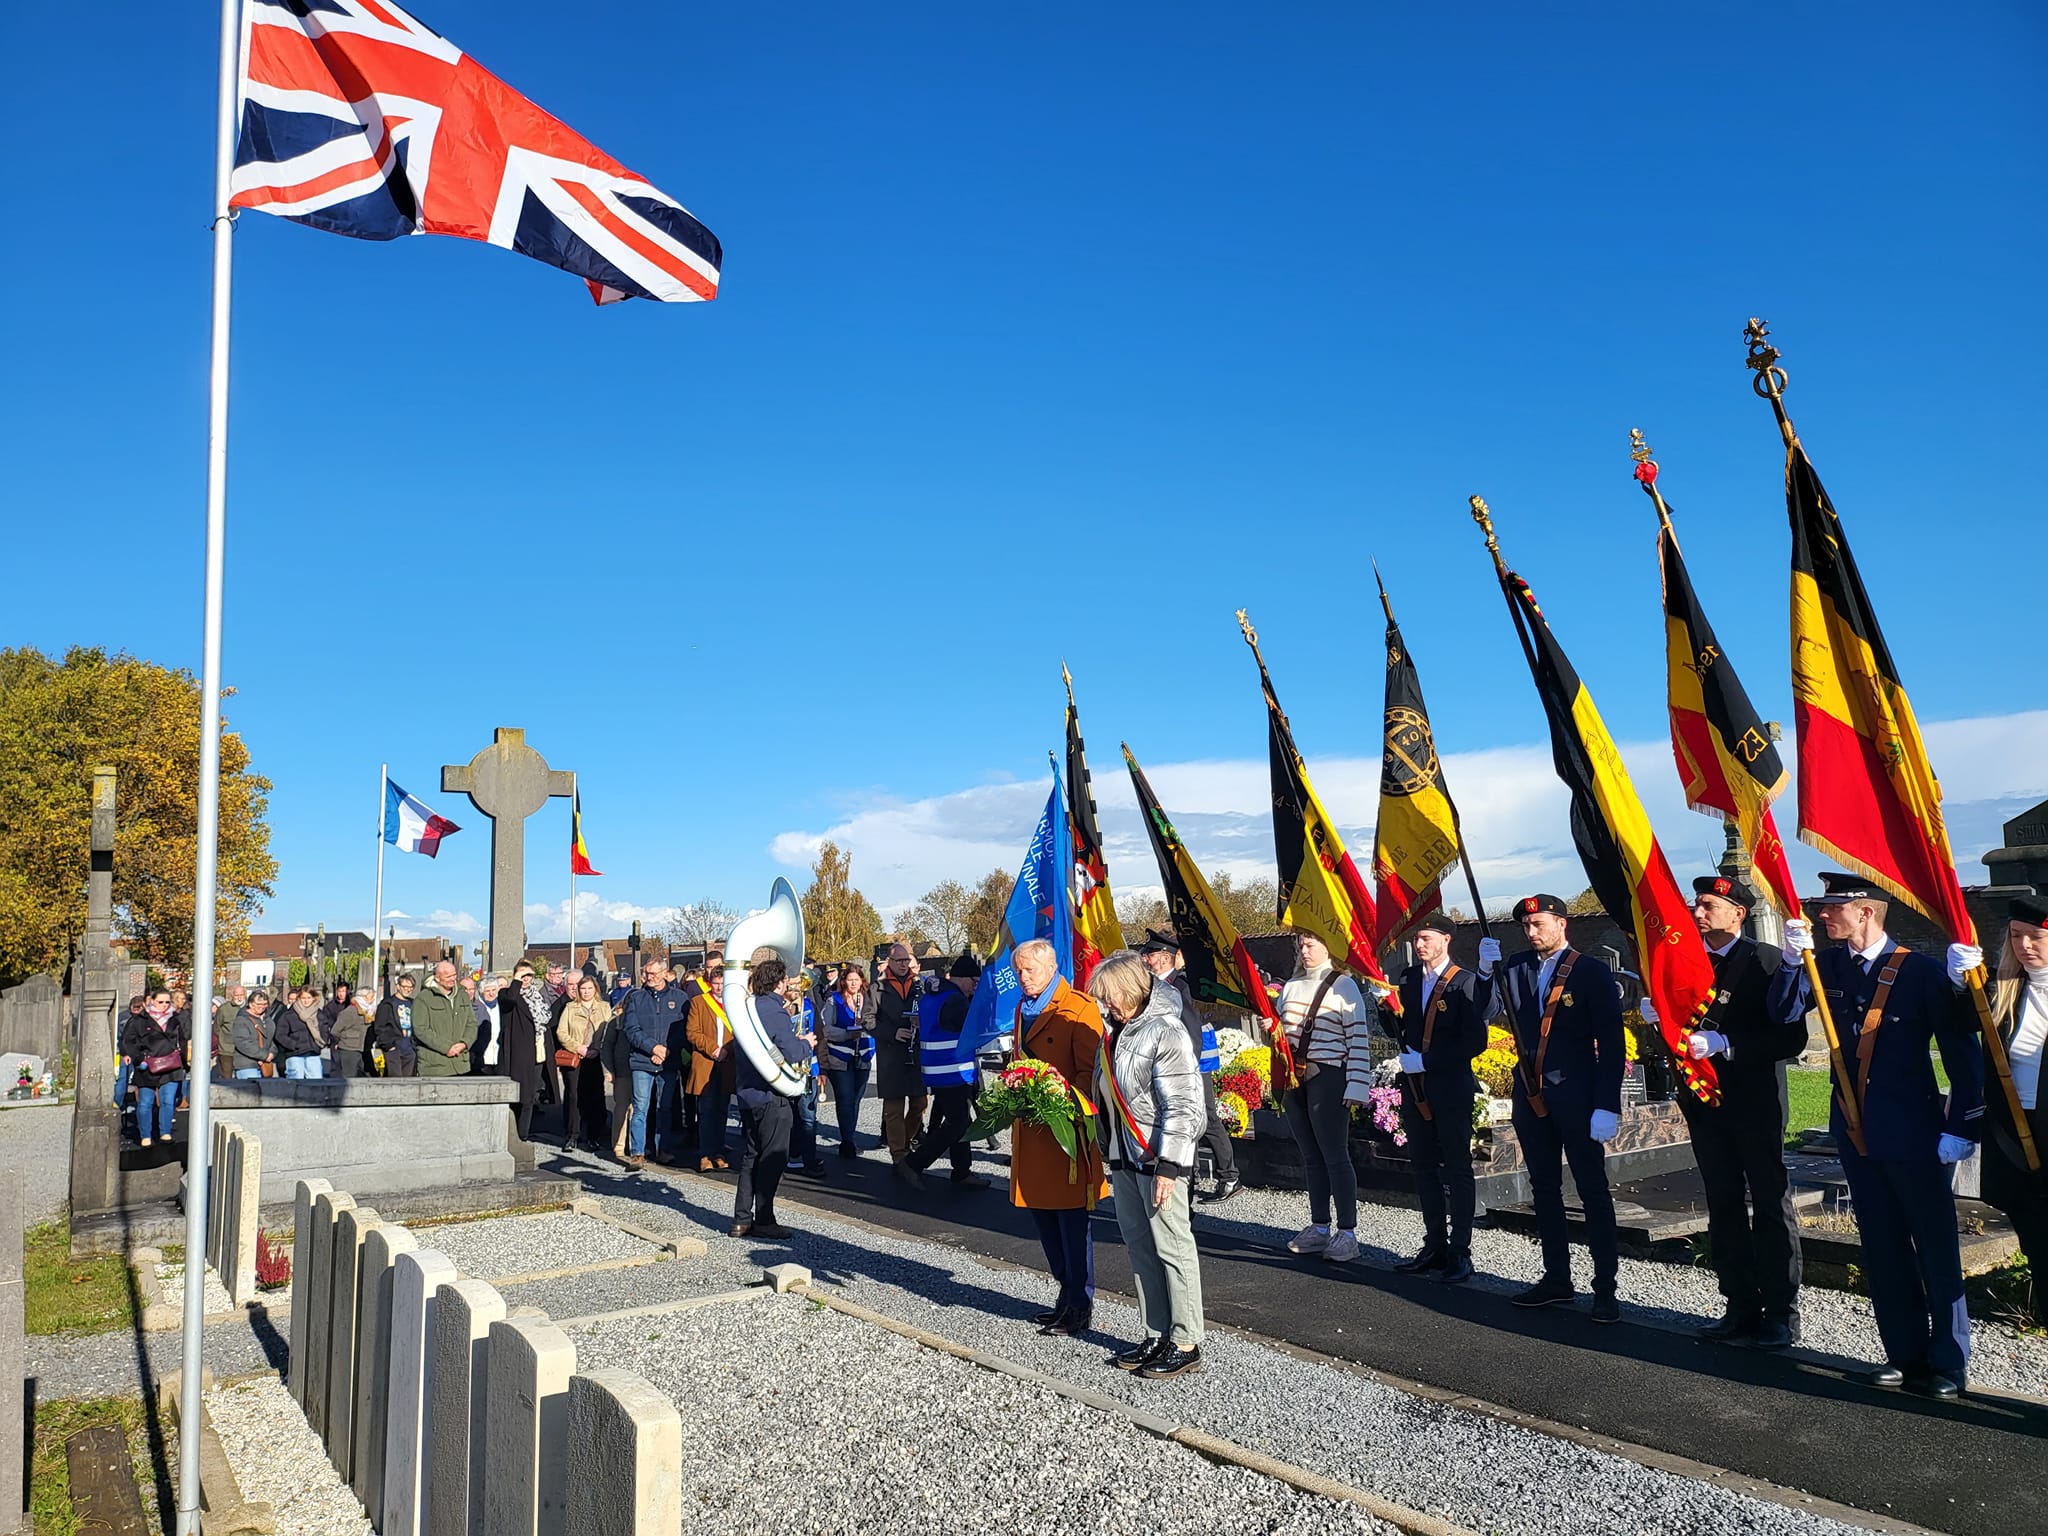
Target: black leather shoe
[
  {"x": 1774, "y": 1333},
  {"x": 971, "y": 1180},
  {"x": 1045, "y": 1319},
  {"x": 1882, "y": 1376},
  {"x": 1428, "y": 1259},
  {"x": 1130, "y": 1359},
  {"x": 1171, "y": 1361},
  {"x": 1606, "y": 1308},
  {"x": 1221, "y": 1192},
  {"x": 848, "y": 1150},
  {"x": 1732, "y": 1327},
  {"x": 1455, "y": 1271},
  {"x": 1933, "y": 1384},
  {"x": 1547, "y": 1293},
  {"x": 1068, "y": 1324}
]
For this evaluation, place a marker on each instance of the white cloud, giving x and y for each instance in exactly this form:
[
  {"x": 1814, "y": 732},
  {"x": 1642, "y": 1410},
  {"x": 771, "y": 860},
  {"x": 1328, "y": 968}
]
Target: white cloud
[
  {"x": 440, "y": 923},
  {"x": 1513, "y": 808},
  {"x": 596, "y": 918}
]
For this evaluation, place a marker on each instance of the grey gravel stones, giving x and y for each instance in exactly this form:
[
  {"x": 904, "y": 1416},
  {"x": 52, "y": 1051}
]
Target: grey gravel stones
[
  {"x": 279, "y": 1461},
  {"x": 526, "y": 1245}
]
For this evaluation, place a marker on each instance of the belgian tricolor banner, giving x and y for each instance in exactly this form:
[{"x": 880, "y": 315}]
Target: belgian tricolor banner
[
  {"x": 1219, "y": 967},
  {"x": 1320, "y": 889},
  {"x": 579, "y": 852},
  {"x": 1726, "y": 759},
  {"x": 1096, "y": 930},
  {"x": 1867, "y": 795},
  {"x": 1417, "y": 840},
  {"x": 1624, "y": 865}
]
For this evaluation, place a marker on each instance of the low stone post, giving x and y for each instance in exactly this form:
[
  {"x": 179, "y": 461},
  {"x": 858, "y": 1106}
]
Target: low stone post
[
  {"x": 373, "y": 1362},
  {"x": 13, "y": 1354},
  {"x": 302, "y": 1284},
  {"x": 351, "y": 1229},
  {"x": 624, "y": 1471},
  {"x": 525, "y": 1424},
  {"x": 238, "y": 1273},
  {"x": 417, "y": 1279},
  {"x": 327, "y": 1209},
  {"x": 463, "y": 1314}
]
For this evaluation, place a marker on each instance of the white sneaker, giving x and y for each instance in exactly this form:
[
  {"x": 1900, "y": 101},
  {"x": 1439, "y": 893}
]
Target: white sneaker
[
  {"x": 1342, "y": 1248},
  {"x": 1309, "y": 1240}
]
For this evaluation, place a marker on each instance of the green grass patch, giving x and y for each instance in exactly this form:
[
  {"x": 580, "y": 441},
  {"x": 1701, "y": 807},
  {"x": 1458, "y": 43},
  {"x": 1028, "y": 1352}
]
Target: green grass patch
[
  {"x": 49, "y": 1498},
  {"x": 67, "y": 1296},
  {"x": 1808, "y": 1092}
]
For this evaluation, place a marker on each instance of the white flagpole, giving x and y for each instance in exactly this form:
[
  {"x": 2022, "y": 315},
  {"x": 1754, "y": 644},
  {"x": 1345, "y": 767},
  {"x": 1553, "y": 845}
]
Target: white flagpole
[
  {"x": 574, "y": 807},
  {"x": 198, "y": 1126},
  {"x": 377, "y": 916}
]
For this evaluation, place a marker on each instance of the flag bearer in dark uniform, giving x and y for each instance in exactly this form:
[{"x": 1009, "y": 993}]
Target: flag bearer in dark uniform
[
  {"x": 1740, "y": 1142},
  {"x": 1565, "y": 1011},
  {"x": 1889, "y": 1006},
  {"x": 1441, "y": 1028}
]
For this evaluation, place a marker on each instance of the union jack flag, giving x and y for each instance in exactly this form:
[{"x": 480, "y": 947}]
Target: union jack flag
[{"x": 358, "y": 119}]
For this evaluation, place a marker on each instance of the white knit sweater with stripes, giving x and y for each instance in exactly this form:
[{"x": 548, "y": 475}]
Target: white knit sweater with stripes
[{"x": 1342, "y": 1037}]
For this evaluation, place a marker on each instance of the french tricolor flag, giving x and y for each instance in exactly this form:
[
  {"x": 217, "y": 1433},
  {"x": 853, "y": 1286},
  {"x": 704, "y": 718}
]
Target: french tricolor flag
[{"x": 410, "y": 826}]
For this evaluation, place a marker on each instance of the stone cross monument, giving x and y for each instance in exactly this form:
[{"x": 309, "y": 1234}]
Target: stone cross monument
[
  {"x": 508, "y": 781},
  {"x": 96, "y": 986}
]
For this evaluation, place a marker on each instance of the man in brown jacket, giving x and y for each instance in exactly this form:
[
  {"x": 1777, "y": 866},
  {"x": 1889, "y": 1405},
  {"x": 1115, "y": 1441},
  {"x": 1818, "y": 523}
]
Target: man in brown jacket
[{"x": 714, "y": 1068}]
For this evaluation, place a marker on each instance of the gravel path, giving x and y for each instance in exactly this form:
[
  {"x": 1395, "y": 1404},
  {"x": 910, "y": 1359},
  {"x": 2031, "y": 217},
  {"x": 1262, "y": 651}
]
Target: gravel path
[
  {"x": 828, "y": 1425},
  {"x": 171, "y": 1280},
  {"x": 37, "y": 1141},
  {"x": 121, "y": 1365},
  {"x": 1338, "y": 1422},
  {"x": 528, "y": 1245},
  {"x": 279, "y": 1461},
  {"x": 1832, "y": 1322}
]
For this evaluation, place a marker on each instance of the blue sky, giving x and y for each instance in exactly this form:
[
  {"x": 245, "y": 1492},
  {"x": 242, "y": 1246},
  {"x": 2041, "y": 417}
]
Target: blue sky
[{"x": 1050, "y": 332}]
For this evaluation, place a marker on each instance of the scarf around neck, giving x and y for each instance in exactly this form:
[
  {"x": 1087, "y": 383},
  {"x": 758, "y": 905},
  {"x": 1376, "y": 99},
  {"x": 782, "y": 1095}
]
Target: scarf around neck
[{"x": 1031, "y": 1006}]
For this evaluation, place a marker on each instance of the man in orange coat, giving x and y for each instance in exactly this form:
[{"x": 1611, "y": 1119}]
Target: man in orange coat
[
  {"x": 1063, "y": 1027},
  {"x": 714, "y": 1068}
]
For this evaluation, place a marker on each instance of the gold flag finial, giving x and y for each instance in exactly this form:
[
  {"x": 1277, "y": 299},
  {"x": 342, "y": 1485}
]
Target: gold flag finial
[
  {"x": 1637, "y": 448},
  {"x": 1770, "y": 379},
  {"x": 1646, "y": 472},
  {"x": 1067, "y": 678},
  {"x": 1483, "y": 516},
  {"x": 1251, "y": 636}
]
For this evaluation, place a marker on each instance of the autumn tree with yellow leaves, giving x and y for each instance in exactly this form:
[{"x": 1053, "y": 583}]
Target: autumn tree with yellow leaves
[{"x": 58, "y": 720}]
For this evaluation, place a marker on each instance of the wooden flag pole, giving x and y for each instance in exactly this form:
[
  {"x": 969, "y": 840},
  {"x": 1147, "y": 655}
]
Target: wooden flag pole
[{"x": 1769, "y": 384}]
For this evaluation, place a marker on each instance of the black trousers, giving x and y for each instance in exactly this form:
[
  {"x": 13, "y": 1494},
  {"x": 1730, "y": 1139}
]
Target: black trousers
[
  {"x": 1548, "y": 1143},
  {"x": 2024, "y": 1199},
  {"x": 764, "y": 1157},
  {"x": 1751, "y": 1227},
  {"x": 1440, "y": 1153},
  {"x": 572, "y": 1105},
  {"x": 1216, "y": 1135},
  {"x": 952, "y": 1112}
]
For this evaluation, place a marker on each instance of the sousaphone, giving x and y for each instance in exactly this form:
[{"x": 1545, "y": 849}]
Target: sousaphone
[{"x": 780, "y": 928}]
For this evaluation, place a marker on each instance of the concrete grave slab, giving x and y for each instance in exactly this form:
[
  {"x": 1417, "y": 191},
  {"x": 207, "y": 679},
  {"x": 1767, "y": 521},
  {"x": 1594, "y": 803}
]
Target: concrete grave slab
[
  {"x": 525, "y": 1427},
  {"x": 302, "y": 1266},
  {"x": 373, "y": 1362},
  {"x": 624, "y": 1457},
  {"x": 417, "y": 1280},
  {"x": 351, "y": 1228},
  {"x": 463, "y": 1314}
]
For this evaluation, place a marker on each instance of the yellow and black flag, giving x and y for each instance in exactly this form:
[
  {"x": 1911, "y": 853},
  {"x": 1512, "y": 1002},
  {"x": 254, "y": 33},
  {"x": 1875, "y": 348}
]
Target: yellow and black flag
[
  {"x": 1219, "y": 967},
  {"x": 1867, "y": 794},
  {"x": 1096, "y": 930},
  {"x": 1624, "y": 864},
  {"x": 1320, "y": 889},
  {"x": 1417, "y": 840},
  {"x": 1726, "y": 758}
]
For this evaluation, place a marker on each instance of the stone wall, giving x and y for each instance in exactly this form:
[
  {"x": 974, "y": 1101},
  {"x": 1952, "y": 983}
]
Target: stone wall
[
  {"x": 447, "y": 1415},
  {"x": 375, "y": 1135},
  {"x": 32, "y": 1020}
]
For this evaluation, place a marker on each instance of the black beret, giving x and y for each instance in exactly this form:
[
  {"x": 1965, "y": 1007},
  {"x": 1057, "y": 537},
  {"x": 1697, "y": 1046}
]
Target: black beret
[
  {"x": 1836, "y": 886},
  {"x": 2028, "y": 909},
  {"x": 1726, "y": 889},
  {"x": 1436, "y": 922},
  {"x": 966, "y": 965},
  {"x": 1528, "y": 906}
]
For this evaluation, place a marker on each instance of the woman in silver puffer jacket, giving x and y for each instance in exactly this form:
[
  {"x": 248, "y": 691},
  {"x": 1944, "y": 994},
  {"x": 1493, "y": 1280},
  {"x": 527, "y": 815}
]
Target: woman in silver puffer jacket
[{"x": 1149, "y": 1115}]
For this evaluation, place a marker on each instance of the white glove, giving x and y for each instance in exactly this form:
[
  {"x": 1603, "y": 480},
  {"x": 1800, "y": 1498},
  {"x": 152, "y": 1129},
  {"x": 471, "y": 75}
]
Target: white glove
[
  {"x": 1702, "y": 1043},
  {"x": 1411, "y": 1062},
  {"x": 1798, "y": 941},
  {"x": 1648, "y": 1010},
  {"x": 1963, "y": 959},
  {"x": 1605, "y": 1123},
  {"x": 1954, "y": 1149},
  {"x": 1489, "y": 956}
]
